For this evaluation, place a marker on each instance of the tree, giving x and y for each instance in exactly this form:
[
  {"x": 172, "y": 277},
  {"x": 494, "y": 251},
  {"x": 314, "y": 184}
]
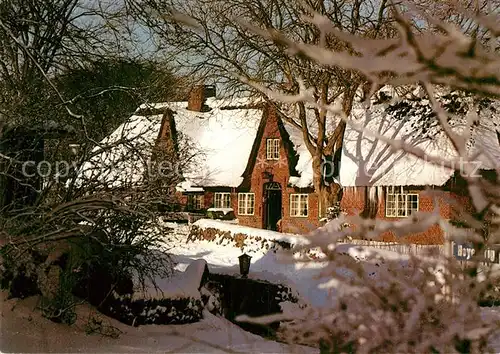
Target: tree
[
  {"x": 39, "y": 38},
  {"x": 235, "y": 42},
  {"x": 434, "y": 15},
  {"x": 42, "y": 44},
  {"x": 108, "y": 91},
  {"x": 62, "y": 71}
]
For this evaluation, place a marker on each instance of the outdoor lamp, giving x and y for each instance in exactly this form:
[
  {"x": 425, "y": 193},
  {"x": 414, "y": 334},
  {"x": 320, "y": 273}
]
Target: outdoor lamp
[
  {"x": 244, "y": 264},
  {"x": 267, "y": 175}
]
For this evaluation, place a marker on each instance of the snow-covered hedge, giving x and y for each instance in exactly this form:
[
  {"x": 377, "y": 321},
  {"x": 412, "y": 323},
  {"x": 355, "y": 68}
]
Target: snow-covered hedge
[
  {"x": 175, "y": 300},
  {"x": 161, "y": 311}
]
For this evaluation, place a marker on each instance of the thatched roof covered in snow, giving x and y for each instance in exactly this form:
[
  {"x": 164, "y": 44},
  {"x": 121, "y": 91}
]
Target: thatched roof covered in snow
[
  {"x": 222, "y": 138},
  {"x": 369, "y": 161}
]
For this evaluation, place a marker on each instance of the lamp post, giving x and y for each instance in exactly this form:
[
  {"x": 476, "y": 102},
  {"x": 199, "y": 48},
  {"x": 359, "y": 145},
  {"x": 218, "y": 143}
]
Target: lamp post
[
  {"x": 74, "y": 148},
  {"x": 244, "y": 260}
]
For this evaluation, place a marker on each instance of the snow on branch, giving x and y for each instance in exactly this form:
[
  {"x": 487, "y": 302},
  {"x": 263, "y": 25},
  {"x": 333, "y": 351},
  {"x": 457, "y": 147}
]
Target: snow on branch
[{"x": 448, "y": 58}]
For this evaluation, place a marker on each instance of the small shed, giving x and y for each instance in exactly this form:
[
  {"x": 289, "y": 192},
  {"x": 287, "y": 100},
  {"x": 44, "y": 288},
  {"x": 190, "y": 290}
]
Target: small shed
[{"x": 22, "y": 148}]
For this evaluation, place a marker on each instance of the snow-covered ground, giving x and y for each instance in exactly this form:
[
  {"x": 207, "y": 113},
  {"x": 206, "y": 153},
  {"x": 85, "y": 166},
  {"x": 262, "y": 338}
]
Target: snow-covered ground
[
  {"x": 265, "y": 265},
  {"x": 310, "y": 280},
  {"x": 492, "y": 313},
  {"x": 25, "y": 330}
]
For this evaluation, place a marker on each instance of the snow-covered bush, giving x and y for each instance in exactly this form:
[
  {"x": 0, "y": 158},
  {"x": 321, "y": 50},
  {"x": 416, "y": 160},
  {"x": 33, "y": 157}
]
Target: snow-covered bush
[
  {"x": 333, "y": 211},
  {"x": 416, "y": 307},
  {"x": 90, "y": 266},
  {"x": 164, "y": 300},
  {"x": 104, "y": 207}
]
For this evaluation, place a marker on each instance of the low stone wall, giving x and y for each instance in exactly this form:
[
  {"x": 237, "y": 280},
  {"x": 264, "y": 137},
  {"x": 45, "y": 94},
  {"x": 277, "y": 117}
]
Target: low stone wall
[
  {"x": 239, "y": 240},
  {"x": 182, "y": 217}
]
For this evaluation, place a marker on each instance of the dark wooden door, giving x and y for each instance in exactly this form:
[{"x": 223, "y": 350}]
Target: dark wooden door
[{"x": 272, "y": 193}]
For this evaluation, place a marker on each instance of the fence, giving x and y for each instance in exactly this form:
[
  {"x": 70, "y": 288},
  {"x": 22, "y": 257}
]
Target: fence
[
  {"x": 182, "y": 217},
  {"x": 413, "y": 249},
  {"x": 195, "y": 217},
  {"x": 462, "y": 252}
]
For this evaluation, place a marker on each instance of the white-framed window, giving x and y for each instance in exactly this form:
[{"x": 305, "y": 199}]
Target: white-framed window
[
  {"x": 399, "y": 203},
  {"x": 273, "y": 149},
  {"x": 299, "y": 205},
  {"x": 195, "y": 201},
  {"x": 246, "y": 203},
  {"x": 222, "y": 200}
]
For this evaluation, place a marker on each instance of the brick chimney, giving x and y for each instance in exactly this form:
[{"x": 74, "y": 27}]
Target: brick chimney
[{"x": 197, "y": 97}]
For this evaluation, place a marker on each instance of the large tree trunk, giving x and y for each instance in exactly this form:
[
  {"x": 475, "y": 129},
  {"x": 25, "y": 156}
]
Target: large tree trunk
[{"x": 331, "y": 194}]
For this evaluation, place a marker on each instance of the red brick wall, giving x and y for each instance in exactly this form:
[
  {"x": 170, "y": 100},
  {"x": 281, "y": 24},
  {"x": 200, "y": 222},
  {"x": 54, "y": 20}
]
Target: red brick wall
[
  {"x": 181, "y": 198},
  {"x": 353, "y": 202},
  {"x": 280, "y": 172},
  {"x": 289, "y": 224},
  {"x": 300, "y": 225},
  {"x": 208, "y": 199}
]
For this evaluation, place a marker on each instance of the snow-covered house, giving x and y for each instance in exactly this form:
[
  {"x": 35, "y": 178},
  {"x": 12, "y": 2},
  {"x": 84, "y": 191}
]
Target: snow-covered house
[
  {"x": 245, "y": 159},
  {"x": 256, "y": 164},
  {"x": 384, "y": 183},
  {"x": 250, "y": 161}
]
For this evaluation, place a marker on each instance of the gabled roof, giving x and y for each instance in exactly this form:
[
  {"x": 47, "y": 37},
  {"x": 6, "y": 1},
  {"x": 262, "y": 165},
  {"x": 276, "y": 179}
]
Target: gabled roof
[
  {"x": 125, "y": 163},
  {"x": 368, "y": 161},
  {"x": 289, "y": 147},
  {"x": 230, "y": 144}
]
